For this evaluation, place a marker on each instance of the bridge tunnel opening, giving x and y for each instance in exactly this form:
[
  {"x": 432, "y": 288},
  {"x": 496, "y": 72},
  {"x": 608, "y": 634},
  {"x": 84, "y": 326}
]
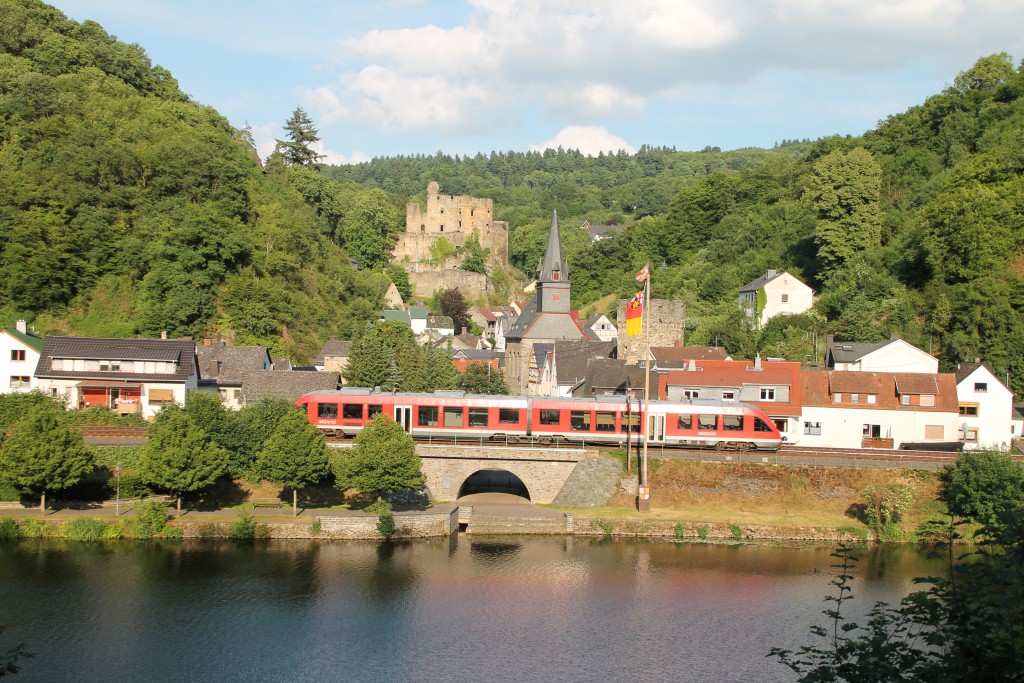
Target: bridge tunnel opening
[{"x": 494, "y": 481}]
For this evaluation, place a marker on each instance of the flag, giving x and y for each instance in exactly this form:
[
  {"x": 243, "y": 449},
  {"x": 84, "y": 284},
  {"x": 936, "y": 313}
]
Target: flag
[
  {"x": 635, "y": 315},
  {"x": 645, "y": 273}
]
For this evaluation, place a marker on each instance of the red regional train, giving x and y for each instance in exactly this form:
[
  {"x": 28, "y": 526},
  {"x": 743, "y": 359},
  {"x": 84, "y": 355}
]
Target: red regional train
[{"x": 517, "y": 419}]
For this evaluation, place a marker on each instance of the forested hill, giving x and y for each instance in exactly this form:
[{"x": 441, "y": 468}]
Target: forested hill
[
  {"x": 914, "y": 228},
  {"x": 126, "y": 208}
]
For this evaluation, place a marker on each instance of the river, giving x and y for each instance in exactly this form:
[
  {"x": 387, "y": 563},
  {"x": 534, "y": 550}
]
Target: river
[{"x": 459, "y": 609}]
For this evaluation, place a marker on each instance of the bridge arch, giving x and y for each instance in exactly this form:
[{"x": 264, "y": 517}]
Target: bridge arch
[{"x": 494, "y": 481}]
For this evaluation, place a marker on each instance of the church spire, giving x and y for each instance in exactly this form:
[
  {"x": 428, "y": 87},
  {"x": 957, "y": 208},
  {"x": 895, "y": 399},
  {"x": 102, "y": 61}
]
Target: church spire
[{"x": 553, "y": 267}]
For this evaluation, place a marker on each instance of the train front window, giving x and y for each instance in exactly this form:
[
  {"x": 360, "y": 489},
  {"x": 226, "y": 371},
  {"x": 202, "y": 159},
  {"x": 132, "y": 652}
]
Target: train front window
[
  {"x": 579, "y": 421},
  {"x": 426, "y": 416},
  {"x": 478, "y": 417},
  {"x": 732, "y": 423},
  {"x": 761, "y": 426},
  {"x": 453, "y": 417},
  {"x": 327, "y": 411},
  {"x": 550, "y": 417},
  {"x": 352, "y": 411},
  {"x": 508, "y": 416},
  {"x": 686, "y": 422},
  {"x": 707, "y": 421},
  {"x": 605, "y": 422},
  {"x": 374, "y": 410}
]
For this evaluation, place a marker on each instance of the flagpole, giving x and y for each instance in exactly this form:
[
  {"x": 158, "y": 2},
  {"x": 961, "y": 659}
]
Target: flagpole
[{"x": 647, "y": 373}]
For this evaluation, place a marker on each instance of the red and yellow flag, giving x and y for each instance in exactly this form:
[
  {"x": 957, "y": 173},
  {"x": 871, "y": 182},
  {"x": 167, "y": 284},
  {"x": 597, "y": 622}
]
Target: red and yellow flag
[
  {"x": 644, "y": 274},
  {"x": 635, "y": 315}
]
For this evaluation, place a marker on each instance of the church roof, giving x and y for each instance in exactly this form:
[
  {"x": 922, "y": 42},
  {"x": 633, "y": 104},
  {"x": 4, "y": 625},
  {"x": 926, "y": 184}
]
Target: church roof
[{"x": 553, "y": 261}]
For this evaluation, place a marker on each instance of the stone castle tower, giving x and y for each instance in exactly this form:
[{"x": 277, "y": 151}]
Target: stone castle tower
[{"x": 456, "y": 218}]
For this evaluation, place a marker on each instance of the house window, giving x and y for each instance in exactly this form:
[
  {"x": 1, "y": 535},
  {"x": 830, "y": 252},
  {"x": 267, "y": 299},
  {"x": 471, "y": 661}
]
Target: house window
[
  {"x": 813, "y": 428},
  {"x": 352, "y": 411},
  {"x": 872, "y": 431},
  {"x": 927, "y": 400},
  {"x": 969, "y": 409},
  {"x": 728, "y": 396},
  {"x": 691, "y": 394},
  {"x": 767, "y": 394},
  {"x": 905, "y": 400},
  {"x": 978, "y": 386},
  {"x": 837, "y": 397},
  {"x": 327, "y": 411},
  {"x": 478, "y": 417},
  {"x": 970, "y": 435},
  {"x": 17, "y": 354},
  {"x": 872, "y": 398},
  {"x": 785, "y": 298},
  {"x": 20, "y": 382},
  {"x": 854, "y": 398},
  {"x": 935, "y": 432},
  {"x": 110, "y": 366}
]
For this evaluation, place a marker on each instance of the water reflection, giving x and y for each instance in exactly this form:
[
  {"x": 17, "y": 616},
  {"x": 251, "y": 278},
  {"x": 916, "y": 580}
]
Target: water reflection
[{"x": 454, "y": 609}]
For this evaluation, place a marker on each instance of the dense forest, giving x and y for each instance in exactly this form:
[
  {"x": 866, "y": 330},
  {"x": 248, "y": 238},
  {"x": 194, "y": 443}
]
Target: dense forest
[{"x": 129, "y": 209}]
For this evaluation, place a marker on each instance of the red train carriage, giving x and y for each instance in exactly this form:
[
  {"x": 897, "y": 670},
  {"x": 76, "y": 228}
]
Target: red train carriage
[{"x": 454, "y": 414}]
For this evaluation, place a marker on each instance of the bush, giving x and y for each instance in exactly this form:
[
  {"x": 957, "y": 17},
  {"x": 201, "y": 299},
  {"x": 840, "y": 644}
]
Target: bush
[
  {"x": 702, "y": 533},
  {"x": 150, "y": 520},
  {"x": 680, "y": 532},
  {"x": 315, "y": 527},
  {"x": 885, "y": 506},
  {"x": 9, "y": 529},
  {"x": 982, "y": 485},
  {"x": 246, "y": 528},
  {"x": 386, "y": 524},
  {"x": 737, "y": 532},
  {"x": 83, "y": 529},
  {"x": 36, "y": 528}
]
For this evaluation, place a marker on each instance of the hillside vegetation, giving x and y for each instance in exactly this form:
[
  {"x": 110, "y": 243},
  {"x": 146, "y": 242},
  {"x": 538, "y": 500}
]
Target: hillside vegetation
[{"x": 128, "y": 209}]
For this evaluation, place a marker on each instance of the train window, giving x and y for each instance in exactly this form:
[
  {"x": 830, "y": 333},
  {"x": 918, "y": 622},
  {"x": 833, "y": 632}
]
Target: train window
[
  {"x": 453, "y": 417},
  {"x": 631, "y": 422},
  {"x": 605, "y": 422},
  {"x": 327, "y": 411},
  {"x": 550, "y": 417},
  {"x": 427, "y": 416},
  {"x": 732, "y": 423},
  {"x": 686, "y": 422},
  {"x": 478, "y": 417},
  {"x": 579, "y": 421},
  {"x": 374, "y": 410},
  {"x": 508, "y": 416},
  {"x": 761, "y": 426},
  {"x": 707, "y": 421},
  {"x": 352, "y": 411}
]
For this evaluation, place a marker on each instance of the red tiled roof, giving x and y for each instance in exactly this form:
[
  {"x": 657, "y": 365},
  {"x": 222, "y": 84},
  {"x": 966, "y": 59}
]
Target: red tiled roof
[
  {"x": 741, "y": 373},
  {"x": 820, "y": 387}
]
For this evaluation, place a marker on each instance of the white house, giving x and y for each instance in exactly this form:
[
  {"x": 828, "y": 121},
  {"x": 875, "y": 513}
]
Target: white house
[
  {"x": 124, "y": 375},
  {"x": 891, "y": 355},
  {"x": 599, "y": 328},
  {"x": 19, "y": 353},
  {"x": 779, "y": 294},
  {"x": 878, "y": 409},
  {"x": 986, "y": 409}
]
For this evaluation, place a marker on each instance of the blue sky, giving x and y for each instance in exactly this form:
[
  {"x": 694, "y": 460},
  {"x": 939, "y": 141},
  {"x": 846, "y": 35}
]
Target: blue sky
[{"x": 417, "y": 76}]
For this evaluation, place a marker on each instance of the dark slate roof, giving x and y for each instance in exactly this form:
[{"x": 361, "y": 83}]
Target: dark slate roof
[
  {"x": 760, "y": 282},
  {"x": 234, "y": 362},
  {"x": 476, "y": 354},
  {"x": 181, "y": 351},
  {"x": 613, "y": 375},
  {"x": 285, "y": 384},
  {"x": 601, "y": 230},
  {"x": 28, "y": 339},
  {"x": 964, "y": 370},
  {"x": 552, "y": 259},
  {"x": 541, "y": 352},
  {"x": 845, "y": 352},
  {"x": 533, "y": 324}
]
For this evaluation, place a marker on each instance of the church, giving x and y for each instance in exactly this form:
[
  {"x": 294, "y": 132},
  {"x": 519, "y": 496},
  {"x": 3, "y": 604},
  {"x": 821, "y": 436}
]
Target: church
[{"x": 547, "y": 318}]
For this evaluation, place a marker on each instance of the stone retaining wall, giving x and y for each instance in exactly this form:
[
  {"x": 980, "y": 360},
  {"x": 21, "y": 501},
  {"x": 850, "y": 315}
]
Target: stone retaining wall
[
  {"x": 692, "y": 531},
  {"x": 412, "y": 525}
]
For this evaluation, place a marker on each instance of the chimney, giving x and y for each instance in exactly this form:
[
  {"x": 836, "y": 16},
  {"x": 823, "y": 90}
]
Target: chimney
[
  {"x": 830, "y": 339},
  {"x": 757, "y": 361},
  {"x": 691, "y": 365},
  {"x": 21, "y": 327},
  {"x": 893, "y": 336},
  {"x": 207, "y": 342},
  {"x": 679, "y": 343},
  {"x": 163, "y": 334}
]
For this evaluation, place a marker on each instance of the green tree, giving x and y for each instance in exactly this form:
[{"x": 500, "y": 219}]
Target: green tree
[
  {"x": 261, "y": 419},
  {"x": 454, "y": 305},
  {"x": 382, "y": 459},
  {"x": 845, "y": 189},
  {"x": 295, "y": 455},
  {"x": 41, "y": 454},
  {"x": 369, "y": 228},
  {"x": 400, "y": 277},
  {"x": 439, "y": 371},
  {"x": 179, "y": 456},
  {"x": 983, "y": 486},
  {"x": 301, "y": 134},
  {"x": 225, "y": 428},
  {"x": 480, "y": 378}
]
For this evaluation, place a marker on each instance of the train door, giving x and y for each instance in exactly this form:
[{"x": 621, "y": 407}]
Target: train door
[
  {"x": 656, "y": 428},
  {"x": 403, "y": 416}
]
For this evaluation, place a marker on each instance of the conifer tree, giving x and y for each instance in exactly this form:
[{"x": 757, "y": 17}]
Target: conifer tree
[{"x": 301, "y": 134}]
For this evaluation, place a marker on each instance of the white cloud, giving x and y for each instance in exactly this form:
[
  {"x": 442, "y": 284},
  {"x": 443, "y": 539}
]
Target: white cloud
[{"x": 590, "y": 140}]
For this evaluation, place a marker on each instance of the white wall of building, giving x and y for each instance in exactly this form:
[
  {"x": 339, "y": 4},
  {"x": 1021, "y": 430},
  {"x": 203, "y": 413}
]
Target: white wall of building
[
  {"x": 897, "y": 356},
  {"x": 991, "y": 428},
  {"x": 786, "y": 295},
  {"x": 13, "y": 369},
  {"x": 844, "y": 427}
]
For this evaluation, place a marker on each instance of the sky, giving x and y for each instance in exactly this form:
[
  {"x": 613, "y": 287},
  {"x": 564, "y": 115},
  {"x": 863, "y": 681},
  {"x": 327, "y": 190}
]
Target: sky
[{"x": 402, "y": 77}]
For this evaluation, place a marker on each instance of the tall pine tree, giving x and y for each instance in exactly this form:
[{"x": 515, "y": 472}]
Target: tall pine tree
[{"x": 301, "y": 134}]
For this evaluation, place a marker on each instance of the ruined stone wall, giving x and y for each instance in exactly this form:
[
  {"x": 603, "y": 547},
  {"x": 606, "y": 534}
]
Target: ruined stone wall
[
  {"x": 472, "y": 285},
  {"x": 668, "y": 324}
]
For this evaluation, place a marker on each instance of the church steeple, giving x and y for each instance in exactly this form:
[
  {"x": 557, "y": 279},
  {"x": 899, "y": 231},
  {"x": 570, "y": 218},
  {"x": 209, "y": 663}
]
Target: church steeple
[{"x": 552, "y": 267}]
